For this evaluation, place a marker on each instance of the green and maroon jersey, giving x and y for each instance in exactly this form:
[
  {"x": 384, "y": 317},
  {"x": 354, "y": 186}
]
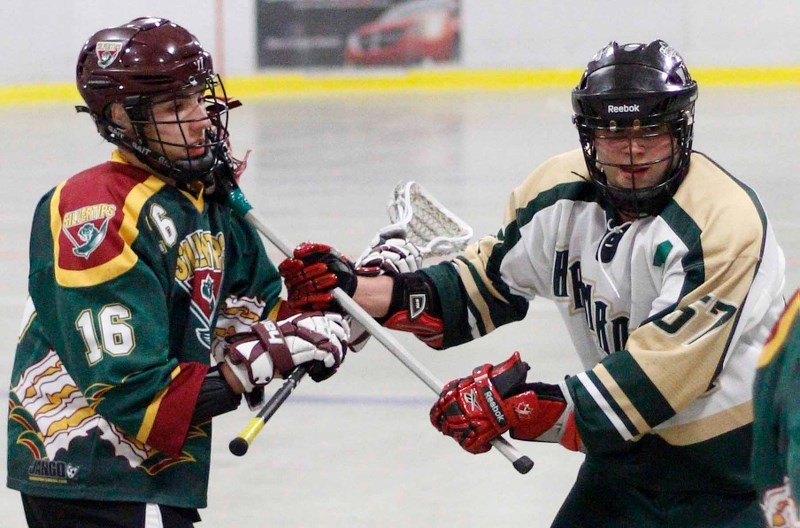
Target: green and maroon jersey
[
  {"x": 776, "y": 436},
  {"x": 130, "y": 282}
]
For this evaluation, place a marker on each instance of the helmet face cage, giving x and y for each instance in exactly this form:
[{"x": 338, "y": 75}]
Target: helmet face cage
[
  {"x": 643, "y": 201},
  {"x": 149, "y": 144},
  {"x": 151, "y": 61},
  {"x": 636, "y": 91}
]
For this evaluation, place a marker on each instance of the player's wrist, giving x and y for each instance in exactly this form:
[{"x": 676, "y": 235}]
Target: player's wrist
[
  {"x": 230, "y": 378},
  {"x": 374, "y": 294},
  {"x": 414, "y": 293}
]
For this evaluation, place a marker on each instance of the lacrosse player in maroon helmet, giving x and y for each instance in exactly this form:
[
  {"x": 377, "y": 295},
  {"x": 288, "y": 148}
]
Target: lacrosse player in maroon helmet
[
  {"x": 667, "y": 274},
  {"x": 140, "y": 272}
]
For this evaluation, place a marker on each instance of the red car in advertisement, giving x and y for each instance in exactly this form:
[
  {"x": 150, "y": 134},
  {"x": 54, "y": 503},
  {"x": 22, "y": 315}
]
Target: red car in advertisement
[{"x": 407, "y": 33}]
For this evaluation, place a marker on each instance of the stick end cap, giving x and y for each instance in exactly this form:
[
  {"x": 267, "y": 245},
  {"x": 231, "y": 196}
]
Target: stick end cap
[
  {"x": 238, "y": 446},
  {"x": 523, "y": 464}
]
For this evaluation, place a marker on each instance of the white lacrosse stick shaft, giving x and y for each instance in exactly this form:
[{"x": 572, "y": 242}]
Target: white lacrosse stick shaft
[{"x": 521, "y": 462}]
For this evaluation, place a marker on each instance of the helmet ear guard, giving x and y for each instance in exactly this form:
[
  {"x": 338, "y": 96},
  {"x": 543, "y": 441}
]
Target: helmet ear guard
[{"x": 636, "y": 86}]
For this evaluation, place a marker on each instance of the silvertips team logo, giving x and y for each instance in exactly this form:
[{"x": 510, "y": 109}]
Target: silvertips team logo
[
  {"x": 198, "y": 271},
  {"x": 86, "y": 227},
  {"x": 107, "y": 52}
]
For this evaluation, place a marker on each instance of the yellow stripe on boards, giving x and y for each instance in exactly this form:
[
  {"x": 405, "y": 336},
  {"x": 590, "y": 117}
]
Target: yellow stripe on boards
[
  {"x": 753, "y": 76},
  {"x": 379, "y": 80},
  {"x": 26, "y": 94}
]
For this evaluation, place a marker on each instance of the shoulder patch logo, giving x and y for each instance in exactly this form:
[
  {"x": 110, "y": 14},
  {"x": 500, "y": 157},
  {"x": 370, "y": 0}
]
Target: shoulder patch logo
[
  {"x": 661, "y": 253},
  {"x": 86, "y": 227},
  {"x": 107, "y": 52}
]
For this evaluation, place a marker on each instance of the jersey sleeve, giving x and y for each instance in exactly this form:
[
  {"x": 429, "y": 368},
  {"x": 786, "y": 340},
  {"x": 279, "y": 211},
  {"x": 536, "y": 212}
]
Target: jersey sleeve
[
  {"x": 103, "y": 307},
  {"x": 790, "y": 388},
  {"x": 776, "y": 427},
  {"x": 495, "y": 279}
]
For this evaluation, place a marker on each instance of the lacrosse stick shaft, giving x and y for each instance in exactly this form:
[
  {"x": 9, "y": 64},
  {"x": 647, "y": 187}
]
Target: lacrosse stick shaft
[
  {"x": 521, "y": 462},
  {"x": 238, "y": 446},
  {"x": 359, "y": 314}
]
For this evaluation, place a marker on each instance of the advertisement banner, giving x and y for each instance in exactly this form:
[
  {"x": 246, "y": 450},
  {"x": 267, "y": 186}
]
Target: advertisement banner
[{"x": 311, "y": 33}]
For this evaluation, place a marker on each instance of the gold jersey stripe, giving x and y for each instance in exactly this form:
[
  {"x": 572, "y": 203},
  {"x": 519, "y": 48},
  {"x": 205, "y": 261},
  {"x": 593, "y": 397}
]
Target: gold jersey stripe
[
  {"x": 708, "y": 427},
  {"x": 475, "y": 295},
  {"x": 620, "y": 398},
  {"x": 196, "y": 200},
  {"x": 152, "y": 410}
]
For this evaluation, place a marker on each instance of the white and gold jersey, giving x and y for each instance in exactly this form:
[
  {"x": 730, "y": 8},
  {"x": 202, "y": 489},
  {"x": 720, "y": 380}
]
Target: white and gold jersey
[{"x": 667, "y": 313}]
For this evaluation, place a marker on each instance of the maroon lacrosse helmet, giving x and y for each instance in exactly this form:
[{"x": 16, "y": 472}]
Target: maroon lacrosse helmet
[{"x": 151, "y": 60}]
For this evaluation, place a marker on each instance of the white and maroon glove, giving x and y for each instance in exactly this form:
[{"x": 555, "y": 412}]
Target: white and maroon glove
[
  {"x": 276, "y": 348},
  {"x": 389, "y": 253}
]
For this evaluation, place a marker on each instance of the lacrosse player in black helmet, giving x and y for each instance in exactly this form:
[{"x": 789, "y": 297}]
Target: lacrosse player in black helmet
[{"x": 668, "y": 276}]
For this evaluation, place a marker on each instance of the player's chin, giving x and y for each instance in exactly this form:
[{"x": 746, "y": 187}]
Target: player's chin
[
  {"x": 192, "y": 156},
  {"x": 623, "y": 180}
]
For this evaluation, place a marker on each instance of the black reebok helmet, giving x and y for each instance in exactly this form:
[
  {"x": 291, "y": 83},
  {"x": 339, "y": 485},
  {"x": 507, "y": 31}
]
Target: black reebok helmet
[
  {"x": 640, "y": 87},
  {"x": 147, "y": 61}
]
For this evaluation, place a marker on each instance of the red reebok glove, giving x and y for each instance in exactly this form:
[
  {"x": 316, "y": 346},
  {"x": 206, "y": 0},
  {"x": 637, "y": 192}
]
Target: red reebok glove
[
  {"x": 313, "y": 273},
  {"x": 479, "y": 408}
]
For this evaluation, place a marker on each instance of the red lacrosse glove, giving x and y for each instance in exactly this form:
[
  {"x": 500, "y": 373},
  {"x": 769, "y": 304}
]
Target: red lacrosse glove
[
  {"x": 477, "y": 409},
  {"x": 313, "y": 273}
]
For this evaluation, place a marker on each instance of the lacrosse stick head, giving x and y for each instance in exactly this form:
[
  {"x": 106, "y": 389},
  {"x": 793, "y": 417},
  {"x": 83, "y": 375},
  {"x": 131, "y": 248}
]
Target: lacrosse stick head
[{"x": 428, "y": 224}]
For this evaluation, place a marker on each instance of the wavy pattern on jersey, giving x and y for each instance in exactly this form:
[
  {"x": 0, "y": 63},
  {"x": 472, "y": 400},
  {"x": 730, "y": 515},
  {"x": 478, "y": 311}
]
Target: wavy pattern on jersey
[
  {"x": 93, "y": 222},
  {"x": 236, "y": 315},
  {"x": 491, "y": 301},
  {"x": 672, "y": 375},
  {"x": 60, "y": 413},
  {"x": 52, "y": 419}
]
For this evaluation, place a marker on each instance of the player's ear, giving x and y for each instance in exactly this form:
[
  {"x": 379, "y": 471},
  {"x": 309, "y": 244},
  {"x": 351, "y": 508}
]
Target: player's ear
[{"x": 119, "y": 116}]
